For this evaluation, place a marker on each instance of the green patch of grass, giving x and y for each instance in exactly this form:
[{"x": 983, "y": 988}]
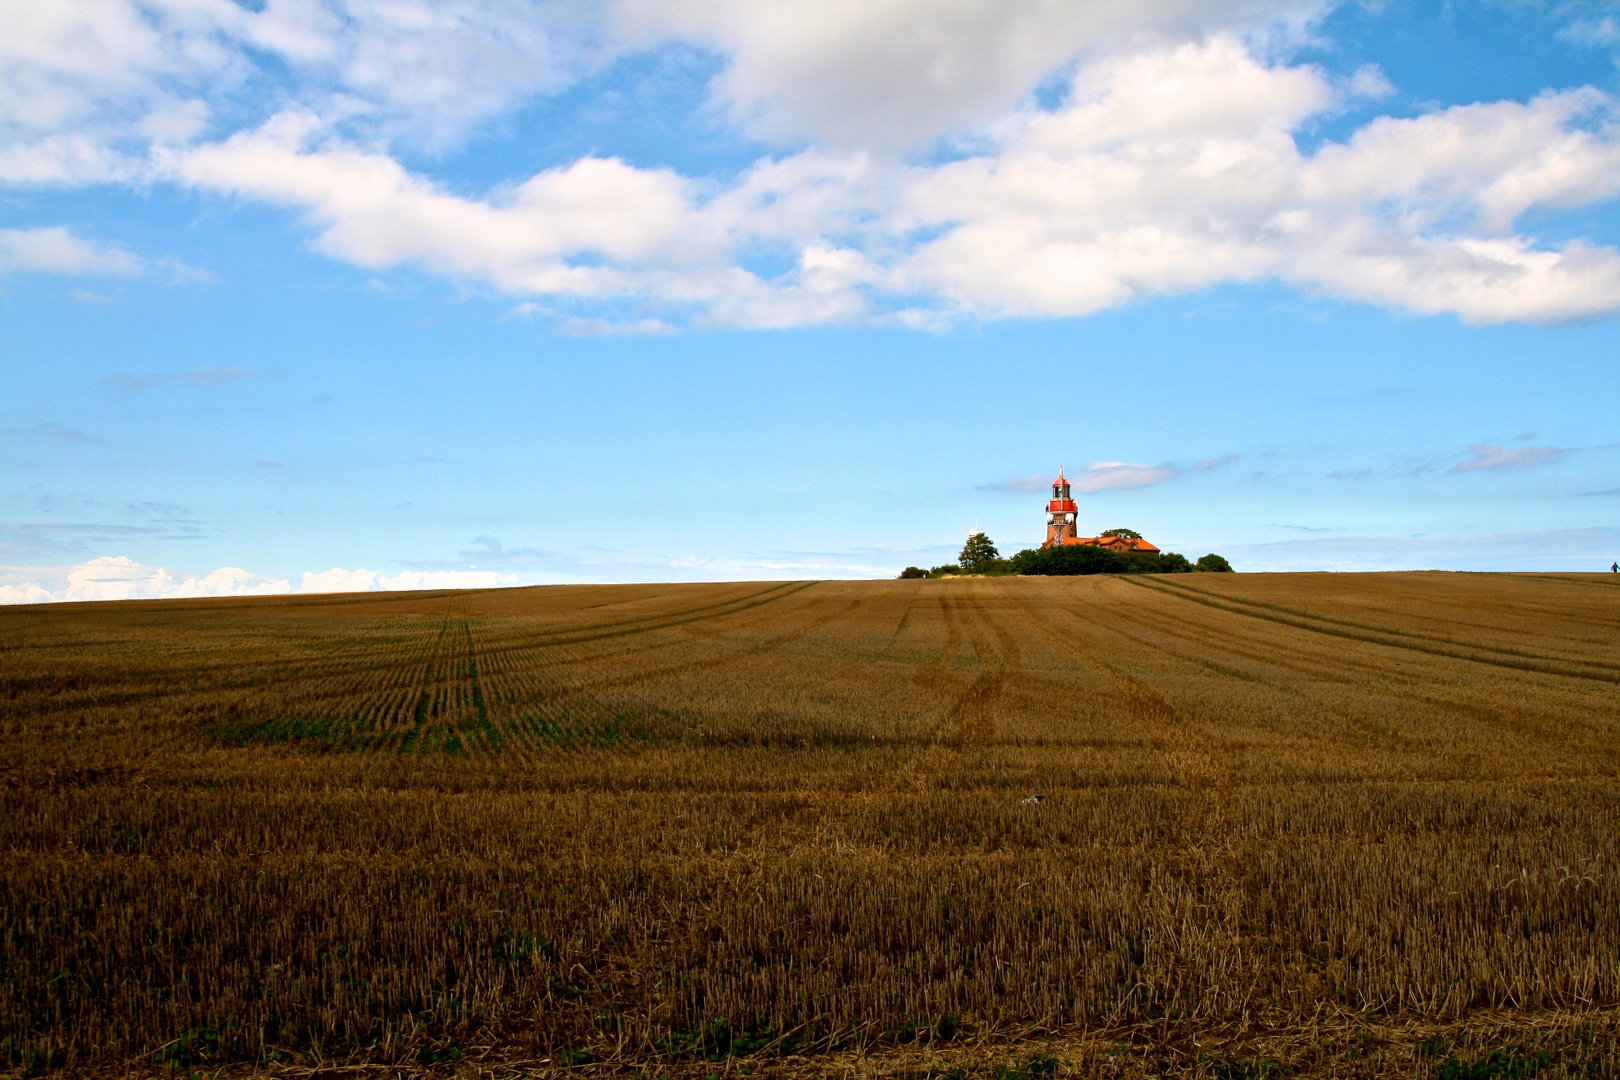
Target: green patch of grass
[
  {"x": 438, "y": 1055},
  {"x": 580, "y": 730},
  {"x": 1244, "y": 1068},
  {"x": 1507, "y": 1064},
  {"x": 188, "y": 1049},
  {"x": 1035, "y": 1067},
  {"x": 720, "y": 1040}
]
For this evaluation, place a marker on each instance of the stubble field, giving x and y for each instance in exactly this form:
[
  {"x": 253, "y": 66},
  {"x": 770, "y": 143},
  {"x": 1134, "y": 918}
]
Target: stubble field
[{"x": 1290, "y": 824}]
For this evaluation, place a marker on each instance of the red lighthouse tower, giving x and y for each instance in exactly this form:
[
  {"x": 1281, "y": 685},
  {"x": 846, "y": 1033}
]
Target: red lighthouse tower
[{"x": 1060, "y": 514}]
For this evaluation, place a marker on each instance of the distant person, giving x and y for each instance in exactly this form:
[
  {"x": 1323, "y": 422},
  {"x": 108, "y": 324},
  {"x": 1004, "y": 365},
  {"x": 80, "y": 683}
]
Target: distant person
[{"x": 1614, "y": 568}]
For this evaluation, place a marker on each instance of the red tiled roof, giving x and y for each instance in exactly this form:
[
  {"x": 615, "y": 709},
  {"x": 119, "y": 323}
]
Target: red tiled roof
[{"x": 1112, "y": 543}]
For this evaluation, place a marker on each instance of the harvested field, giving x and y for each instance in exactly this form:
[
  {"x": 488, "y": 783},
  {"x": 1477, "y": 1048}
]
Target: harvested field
[{"x": 1301, "y": 824}]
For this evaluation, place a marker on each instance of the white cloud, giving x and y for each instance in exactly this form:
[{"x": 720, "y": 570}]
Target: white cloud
[
  {"x": 1168, "y": 170},
  {"x": 851, "y": 74},
  {"x": 430, "y": 70},
  {"x": 1489, "y": 456},
  {"x": 27, "y": 593},
  {"x": 839, "y": 72},
  {"x": 56, "y": 250},
  {"x": 1112, "y": 476},
  {"x": 1122, "y": 475},
  {"x": 121, "y": 578},
  {"x": 121, "y": 73},
  {"x": 1601, "y": 33},
  {"x": 1177, "y": 170},
  {"x": 1171, "y": 164},
  {"x": 371, "y": 211}
]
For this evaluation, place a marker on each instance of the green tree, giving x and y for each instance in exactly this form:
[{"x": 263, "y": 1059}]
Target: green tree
[
  {"x": 1066, "y": 561},
  {"x": 1129, "y": 534},
  {"x": 979, "y": 555},
  {"x": 913, "y": 572},
  {"x": 1214, "y": 564},
  {"x": 1172, "y": 563}
]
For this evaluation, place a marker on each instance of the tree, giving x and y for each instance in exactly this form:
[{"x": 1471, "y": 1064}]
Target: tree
[
  {"x": 1129, "y": 534},
  {"x": 979, "y": 555},
  {"x": 1214, "y": 564},
  {"x": 1066, "y": 561},
  {"x": 913, "y": 572},
  {"x": 1172, "y": 563},
  {"x": 1141, "y": 562}
]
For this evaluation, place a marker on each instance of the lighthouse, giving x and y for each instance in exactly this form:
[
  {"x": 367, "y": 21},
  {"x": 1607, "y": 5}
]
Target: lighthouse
[{"x": 1060, "y": 513}]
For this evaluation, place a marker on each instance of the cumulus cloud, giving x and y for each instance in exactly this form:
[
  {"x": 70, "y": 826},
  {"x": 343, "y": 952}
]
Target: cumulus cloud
[
  {"x": 1166, "y": 171},
  {"x": 1489, "y": 456},
  {"x": 85, "y": 85},
  {"x": 852, "y": 75},
  {"x": 430, "y": 70},
  {"x": 1178, "y": 170},
  {"x": 56, "y": 250},
  {"x": 1165, "y": 160},
  {"x": 121, "y": 578},
  {"x": 83, "y": 82}
]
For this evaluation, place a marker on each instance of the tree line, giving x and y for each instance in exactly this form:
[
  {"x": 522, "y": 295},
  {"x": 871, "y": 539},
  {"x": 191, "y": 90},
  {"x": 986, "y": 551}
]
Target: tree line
[{"x": 979, "y": 556}]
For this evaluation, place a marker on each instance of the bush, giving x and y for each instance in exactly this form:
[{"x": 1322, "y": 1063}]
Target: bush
[
  {"x": 913, "y": 572},
  {"x": 1066, "y": 561},
  {"x": 1085, "y": 559},
  {"x": 944, "y": 571},
  {"x": 1214, "y": 564}
]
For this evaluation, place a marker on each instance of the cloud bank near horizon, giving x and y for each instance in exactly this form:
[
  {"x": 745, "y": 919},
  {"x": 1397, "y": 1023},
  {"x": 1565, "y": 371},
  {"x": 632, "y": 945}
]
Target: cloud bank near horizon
[
  {"x": 121, "y": 578},
  {"x": 117, "y": 577},
  {"x": 909, "y": 174}
]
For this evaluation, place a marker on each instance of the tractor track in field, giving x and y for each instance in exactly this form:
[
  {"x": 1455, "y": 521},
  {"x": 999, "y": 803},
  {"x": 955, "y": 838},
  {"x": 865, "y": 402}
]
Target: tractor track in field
[
  {"x": 360, "y": 667},
  {"x": 971, "y": 719},
  {"x": 236, "y": 674},
  {"x": 1561, "y": 667},
  {"x": 705, "y": 663},
  {"x": 1348, "y": 670},
  {"x": 663, "y": 622},
  {"x": 1141, "y": 700},
  {"x": 1395, "y": 632}
]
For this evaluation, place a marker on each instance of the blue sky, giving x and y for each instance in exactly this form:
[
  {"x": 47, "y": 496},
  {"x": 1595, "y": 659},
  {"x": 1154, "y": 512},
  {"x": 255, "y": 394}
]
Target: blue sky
[{"x": 352, "y": 294}]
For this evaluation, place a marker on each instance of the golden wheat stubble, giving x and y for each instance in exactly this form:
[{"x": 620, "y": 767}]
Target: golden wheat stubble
[{"x": 659, "y": 817}]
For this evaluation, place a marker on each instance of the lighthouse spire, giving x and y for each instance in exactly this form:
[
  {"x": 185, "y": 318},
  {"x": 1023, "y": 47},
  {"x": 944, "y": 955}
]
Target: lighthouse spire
[{"x": 1060, "y": 514}]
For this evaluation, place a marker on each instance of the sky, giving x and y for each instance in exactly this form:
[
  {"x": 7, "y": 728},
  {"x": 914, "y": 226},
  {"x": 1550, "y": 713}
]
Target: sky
[{"x": 317, "y": 295}]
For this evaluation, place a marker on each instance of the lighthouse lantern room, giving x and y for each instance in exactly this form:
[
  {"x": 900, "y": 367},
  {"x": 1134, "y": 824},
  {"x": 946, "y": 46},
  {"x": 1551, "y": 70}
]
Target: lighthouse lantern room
[{"x": 1060, "y": 514}]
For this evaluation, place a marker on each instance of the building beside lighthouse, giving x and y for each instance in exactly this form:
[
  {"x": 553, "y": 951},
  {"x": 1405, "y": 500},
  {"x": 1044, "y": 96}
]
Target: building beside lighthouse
[{"x": 1063, "y": 530}]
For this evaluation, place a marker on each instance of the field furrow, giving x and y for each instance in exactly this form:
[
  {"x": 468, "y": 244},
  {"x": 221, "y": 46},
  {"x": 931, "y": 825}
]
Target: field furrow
[{"x": 657, "y": 825}]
